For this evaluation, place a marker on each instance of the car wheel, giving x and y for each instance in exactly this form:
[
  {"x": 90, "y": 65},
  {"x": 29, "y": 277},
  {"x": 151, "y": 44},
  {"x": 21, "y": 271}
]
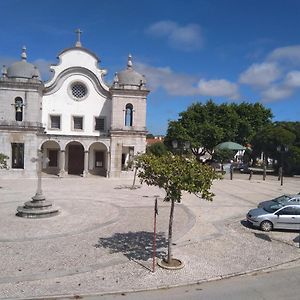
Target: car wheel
[{"x": 266, "y": 226}]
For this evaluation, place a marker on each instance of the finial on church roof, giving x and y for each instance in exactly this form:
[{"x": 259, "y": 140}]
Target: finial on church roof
[
  {"x": 129, "y": 63},
  {"x": 116, "y": 78},
  {"x": 24, "y": 55},
  {"x": 78, "y": 32}
]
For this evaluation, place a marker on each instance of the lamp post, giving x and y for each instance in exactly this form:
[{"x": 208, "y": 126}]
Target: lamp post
[{"x": 281, "y": 149}]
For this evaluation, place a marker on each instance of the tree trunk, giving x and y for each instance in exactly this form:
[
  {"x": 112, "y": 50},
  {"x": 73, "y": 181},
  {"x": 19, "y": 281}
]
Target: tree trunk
[{"x": 170, "y": 231}]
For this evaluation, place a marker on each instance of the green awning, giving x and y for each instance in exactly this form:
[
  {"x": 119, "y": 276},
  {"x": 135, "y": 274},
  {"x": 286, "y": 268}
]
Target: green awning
[{"x": 230, "y": 146}]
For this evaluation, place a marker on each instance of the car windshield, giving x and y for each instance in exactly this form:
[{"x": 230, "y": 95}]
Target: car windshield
[
  {"x": 282, "y": 198},
  {"x": 272, "y": 206}
]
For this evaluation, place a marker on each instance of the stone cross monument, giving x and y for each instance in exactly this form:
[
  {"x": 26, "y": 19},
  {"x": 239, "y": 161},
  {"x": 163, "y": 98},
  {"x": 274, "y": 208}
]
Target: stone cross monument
[{"x": 38, "y": 207}]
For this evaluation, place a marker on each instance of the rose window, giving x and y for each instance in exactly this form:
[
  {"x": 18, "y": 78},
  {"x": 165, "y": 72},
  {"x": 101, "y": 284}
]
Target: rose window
[{"x": 79, "y": 90}]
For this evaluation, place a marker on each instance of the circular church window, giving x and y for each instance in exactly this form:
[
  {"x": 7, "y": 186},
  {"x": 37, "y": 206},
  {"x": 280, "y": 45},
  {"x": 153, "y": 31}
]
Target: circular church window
[{"x": 78, "y": 90}]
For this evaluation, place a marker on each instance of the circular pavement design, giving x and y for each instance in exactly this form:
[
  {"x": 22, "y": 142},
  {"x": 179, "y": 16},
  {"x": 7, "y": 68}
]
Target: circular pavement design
[{"x": 83, "y": 216}]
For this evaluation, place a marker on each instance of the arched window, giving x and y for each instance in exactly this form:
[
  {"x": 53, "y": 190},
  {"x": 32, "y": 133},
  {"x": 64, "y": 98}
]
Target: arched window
[
  {"x": 128, "y": 114},
  {"x": 19, "y": 109}
]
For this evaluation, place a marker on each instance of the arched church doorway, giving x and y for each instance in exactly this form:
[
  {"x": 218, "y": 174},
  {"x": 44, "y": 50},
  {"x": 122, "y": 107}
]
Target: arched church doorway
[
  {"x": 75, "y": 152},
  {"x": 98, "y": 161},
  {"x": 51, "y": 152}
]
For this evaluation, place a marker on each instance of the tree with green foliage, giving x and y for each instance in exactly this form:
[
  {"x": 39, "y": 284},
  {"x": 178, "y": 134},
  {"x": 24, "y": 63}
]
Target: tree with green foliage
[
  {"x": 150, "y": 136},
  {"x": 223, "y": 155},
  {"x": 157, "y": 149},
  {"x": 3, "y": 162},
  {"x": 206, "y": 125},
  {"x": 175, "y": 174},
  {"x": 269, "y": 138},
  {"x": 276, "y": 135}
]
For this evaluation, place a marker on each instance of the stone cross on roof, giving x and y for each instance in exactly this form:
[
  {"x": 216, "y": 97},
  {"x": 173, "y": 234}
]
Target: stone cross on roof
[
  {"x": 129, "y": 63},
  {"x": 24, "y": 55},
  {"x": 78, "y": 32}
]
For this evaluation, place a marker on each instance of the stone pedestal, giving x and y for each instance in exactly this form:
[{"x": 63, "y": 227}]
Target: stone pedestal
[{"x": 39, "y": 207}]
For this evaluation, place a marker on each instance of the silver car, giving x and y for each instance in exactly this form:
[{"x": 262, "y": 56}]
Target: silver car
[
  {"x": 283, "y": 199},
  {"x": 275, "y": 216}
]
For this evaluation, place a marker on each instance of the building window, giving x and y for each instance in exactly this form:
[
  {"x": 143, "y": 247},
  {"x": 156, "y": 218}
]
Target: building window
[
  {"x": 55, "y": 122},
  {"x": 79, "y": 91},
  {"x": 77, "y": 123},
  {"x": 128, "y": 114},
  {"x": 19, "y": 109},
  {"x": 100, "y": 124},
  {"x": 17, "y": 150}
]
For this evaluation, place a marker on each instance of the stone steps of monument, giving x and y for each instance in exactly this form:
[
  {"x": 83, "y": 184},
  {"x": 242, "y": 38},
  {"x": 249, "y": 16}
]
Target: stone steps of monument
[
  {"x": 38, "y": 204},
  {"x": 37, "y": 213}
]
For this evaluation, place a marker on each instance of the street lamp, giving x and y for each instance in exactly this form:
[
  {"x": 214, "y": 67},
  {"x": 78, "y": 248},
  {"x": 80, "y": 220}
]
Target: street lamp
[
  {"x": 181, "y": 146},
  {"x": 174, "y": 144},
  {"x": 281, "y": 149}
]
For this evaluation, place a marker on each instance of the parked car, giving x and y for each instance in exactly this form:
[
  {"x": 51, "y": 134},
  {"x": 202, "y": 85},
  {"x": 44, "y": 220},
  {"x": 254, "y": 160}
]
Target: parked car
[
  {"x": 283, "y": 199},
  {"x": 275, "y": 216}
]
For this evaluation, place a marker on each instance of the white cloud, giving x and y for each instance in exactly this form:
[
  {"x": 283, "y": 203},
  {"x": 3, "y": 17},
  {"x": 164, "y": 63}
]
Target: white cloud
[
  {"x": 292, "y": 79},
  {"x": 260, "y": 75},
  {"x": 185, "y": 85},
  {"x": 289, "y": 54},
  {"x": 162, "y": 28},
  {"x": 275, "y": 93},
  {"x": 44, "y": 68},
  {"x": 275, "y": 78},
  {"x": 163, "y": 77},
  {"x": 187, "y": 38},
  {"x": 218, "y": 88}
]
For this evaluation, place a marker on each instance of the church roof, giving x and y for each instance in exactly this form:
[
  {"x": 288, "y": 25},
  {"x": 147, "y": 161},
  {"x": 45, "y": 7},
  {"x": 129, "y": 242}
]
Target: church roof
[
  {"x": 80, "y": 49},
  {"x": 129, "y": 77},
  {"x": 23, "y": 69},
  {"x": 78, "y": 46}
]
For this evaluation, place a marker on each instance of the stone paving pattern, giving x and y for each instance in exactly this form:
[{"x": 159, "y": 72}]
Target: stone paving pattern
[{"x": 101, "y": 242}]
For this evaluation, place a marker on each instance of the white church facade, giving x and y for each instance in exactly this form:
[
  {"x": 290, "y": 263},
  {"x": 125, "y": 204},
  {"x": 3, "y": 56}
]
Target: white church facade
[{"x": 81, "y": 124}]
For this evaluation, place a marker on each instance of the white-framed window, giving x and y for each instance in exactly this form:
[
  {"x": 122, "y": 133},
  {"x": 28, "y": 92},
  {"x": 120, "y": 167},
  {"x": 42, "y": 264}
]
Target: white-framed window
[
  {"x": 77, "y": 123},
  {"x": 55, "y": 122},
  {"x": 99, "y": 124}
]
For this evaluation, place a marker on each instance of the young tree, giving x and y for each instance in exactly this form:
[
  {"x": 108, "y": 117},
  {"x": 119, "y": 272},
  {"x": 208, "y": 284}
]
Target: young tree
[{"x": 175, "y": 174}]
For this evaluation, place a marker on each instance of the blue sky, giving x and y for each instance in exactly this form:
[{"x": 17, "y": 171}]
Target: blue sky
[{"x": 190, "y": 51}]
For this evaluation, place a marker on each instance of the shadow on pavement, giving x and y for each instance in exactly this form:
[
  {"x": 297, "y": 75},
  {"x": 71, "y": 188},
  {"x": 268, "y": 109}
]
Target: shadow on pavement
[
  {"x": 246, "y": 224},
  {"x": 297, "y": 239},
  {"x": 135, "y": 245},
  {"x": 263, "y": 236}
]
